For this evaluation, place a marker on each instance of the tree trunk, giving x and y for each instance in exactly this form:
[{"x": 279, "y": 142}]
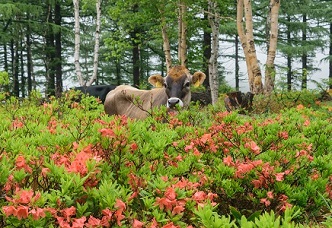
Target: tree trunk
[
  {"x": 77, "y": 42},
  {"x": 136, "y": 58},
  {"x": 15, "y": 63},
  {"x": 96, "y": 48},
  {"x": 289, "y": 59},
  {"x": 304, "y": 55},
  {"x": 49, "y": 62},
  {"x": 58, "y": 48},
  {"x": 6, "y": 63},
  {"x": 23, "y": 79},
  {"x": 243, "y": 40},
  {"x": 214, "y": 20},
  {"x": 257, "y": 86},
  {"x": 166, "y": 45},
  {"x": 206, "y": 52},
  {"x": 289, "y": 73},
  {"x": 135, "y": 51},
  {"x": 5, "y": 58},
  {"x": 330, "y": 59},
  {"x": 118, "y": 72},
  {"x": 50, "y": 54},
  {"x": 270, "y": 71},
  {"x": 182, "y": 44},
  {"x": 237, "y": 67},
  {"x": 29, "y": 59}
]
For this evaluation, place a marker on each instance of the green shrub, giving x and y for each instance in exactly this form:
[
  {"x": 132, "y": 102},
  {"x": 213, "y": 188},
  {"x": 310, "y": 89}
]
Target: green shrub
[
  {"x": 65, "y": 163},
  {"x": 281, "y": 100}
]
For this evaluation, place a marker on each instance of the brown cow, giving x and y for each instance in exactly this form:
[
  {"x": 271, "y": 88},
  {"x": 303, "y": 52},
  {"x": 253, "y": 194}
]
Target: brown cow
[
  {"x": 239, "y": 100},
  {"x": 172, "y": 90}
]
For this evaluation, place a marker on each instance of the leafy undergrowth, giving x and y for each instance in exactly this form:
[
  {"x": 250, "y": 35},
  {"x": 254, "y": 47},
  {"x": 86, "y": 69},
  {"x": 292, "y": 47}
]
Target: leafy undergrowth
[{"x": 67, "y": 164}]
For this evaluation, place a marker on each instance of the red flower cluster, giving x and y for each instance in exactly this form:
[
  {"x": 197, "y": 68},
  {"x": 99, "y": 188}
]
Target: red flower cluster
[
  {"x": 266, "y": 201},
  {"x": 22, "y": 208},
  {"x": 204, "y": 143},
  {"x": 17, "y": 123},
  {"x": 21, "y": 205},
  {"x": 328, "y": 188},
  {"x": 21, "y": 163},
  {"x": 253, "y": 147},
  {"x": 169, "y": 201},
  {"x": 66, "y": 218},
  {"x": 266, "y": 176},
  {"x": 77, "y": 163},
  {"x": 52, "y": 125},
  {"x": 247, "y": 127},
  {"x": 22, "y": 212}
]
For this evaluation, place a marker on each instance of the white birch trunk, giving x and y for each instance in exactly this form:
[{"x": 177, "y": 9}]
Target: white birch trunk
[
  {"x": 179, "y": 30},
  {"x": 243, "y": 40},
  {"x": 167, "y": 49},
  {"x": 182, "y": 39},
  {"x": 272, "y": 46},
  {"x": 77, "y": 42},
  {"x": 214, "y": 21},
  {"x": 252, "y": 56},
  {"x": 166, "y": 45},
  {"x": 96, "y": 48}
]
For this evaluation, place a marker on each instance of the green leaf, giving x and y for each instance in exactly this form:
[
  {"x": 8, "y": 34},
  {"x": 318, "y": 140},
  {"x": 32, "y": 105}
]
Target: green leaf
[{"x": 237, "y": 215}]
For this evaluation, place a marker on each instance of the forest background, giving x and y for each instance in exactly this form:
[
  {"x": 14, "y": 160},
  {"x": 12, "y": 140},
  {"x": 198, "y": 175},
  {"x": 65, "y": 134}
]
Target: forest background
[{"x": 37, "y": 42}]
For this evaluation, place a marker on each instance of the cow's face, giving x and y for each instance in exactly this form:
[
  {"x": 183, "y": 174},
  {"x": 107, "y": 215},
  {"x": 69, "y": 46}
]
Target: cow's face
[{"x": 177, "y": 85}]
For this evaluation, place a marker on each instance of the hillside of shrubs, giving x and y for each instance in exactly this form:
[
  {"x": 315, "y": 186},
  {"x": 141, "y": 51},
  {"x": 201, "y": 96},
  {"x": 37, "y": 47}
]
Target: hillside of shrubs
[{"x": 66, "y": 164}]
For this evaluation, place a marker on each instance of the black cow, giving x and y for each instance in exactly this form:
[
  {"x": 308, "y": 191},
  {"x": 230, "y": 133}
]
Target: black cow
[
  {"x": 98, "y": 91},
  {"x": 239, "y": 100}
]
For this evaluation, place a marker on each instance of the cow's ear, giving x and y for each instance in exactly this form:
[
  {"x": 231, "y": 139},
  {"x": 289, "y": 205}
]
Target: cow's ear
[
  {"x": 157, "y": 80},
  {"x": 198, "y": 78}
]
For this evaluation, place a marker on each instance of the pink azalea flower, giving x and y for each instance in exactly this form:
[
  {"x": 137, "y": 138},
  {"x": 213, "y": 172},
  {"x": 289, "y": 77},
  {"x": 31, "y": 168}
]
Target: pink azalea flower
[
  {"x": 270, "y": 195},
  {"x": 228, "y": 161},
  {"x": 199, "y": 196},
  {"x": 62, "y": 222},
  {"x": 170, "y": 225},
  {"x": 9, "y": 210},
  {"x": 280, "y": 176},
  {"x": 22, "y": 212},
  {"x": 68, "y": 212},
  {"x": 106, "y": 132},
  {"x": 120, "y": 205},
  {"x": 37, "y": 213},
  {"x": 93, "y": 222},
  {"x": 177, "y": 210},
  {"x": 253, "y": 147},
  {"x": 119, "y": 216},
  {"x": 79, "y": 222},
  {"x": 170, "y": 193},
  {"x": 137, "y": 224},
  {"x": 265, "y": 201}
]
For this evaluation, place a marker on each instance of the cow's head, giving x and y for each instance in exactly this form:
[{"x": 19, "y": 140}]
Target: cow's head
[{"x": 177, "y": 85}]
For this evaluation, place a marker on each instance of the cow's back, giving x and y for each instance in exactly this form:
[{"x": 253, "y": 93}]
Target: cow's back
[
  {"x": 132, "y": 102},
  {"x": 98, "y": 91}
]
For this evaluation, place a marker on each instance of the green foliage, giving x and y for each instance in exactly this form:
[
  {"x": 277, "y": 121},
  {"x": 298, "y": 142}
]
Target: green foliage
[
  {"x": 4, "y": 78},
  {"x": 210, "y": 219},
  {"x": 225, "y": 88},
  {"x": 281, "y": 100},
  {"x": 202, "y": 167}
]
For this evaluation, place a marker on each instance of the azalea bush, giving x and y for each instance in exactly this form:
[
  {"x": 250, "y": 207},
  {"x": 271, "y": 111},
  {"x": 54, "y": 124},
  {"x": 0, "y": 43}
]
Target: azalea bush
[
  {"x": 277, "y": 101},
  {"x": 67, "y": 164}
]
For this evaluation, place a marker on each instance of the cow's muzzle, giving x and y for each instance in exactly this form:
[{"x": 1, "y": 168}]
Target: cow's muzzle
[{"x": 173, "y": 101}]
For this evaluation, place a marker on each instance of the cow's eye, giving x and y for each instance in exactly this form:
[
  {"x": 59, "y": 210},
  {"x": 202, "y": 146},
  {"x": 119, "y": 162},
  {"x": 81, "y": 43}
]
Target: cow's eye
[{"x": 187, "y": 84}]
